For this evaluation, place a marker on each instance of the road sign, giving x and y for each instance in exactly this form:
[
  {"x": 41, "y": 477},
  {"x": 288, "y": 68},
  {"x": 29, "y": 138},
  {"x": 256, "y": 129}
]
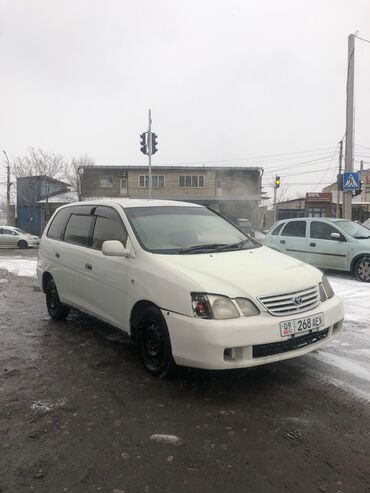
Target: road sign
[{"x": 351, "y": 181}]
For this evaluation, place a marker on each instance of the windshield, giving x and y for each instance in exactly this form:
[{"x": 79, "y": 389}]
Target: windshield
[
  {"x": 353, "y": 229},
  {"x": 185, "y": 230},
  {"x": 20, "y": 231}
]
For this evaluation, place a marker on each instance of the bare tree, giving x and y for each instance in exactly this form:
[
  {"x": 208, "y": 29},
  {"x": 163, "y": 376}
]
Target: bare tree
[
  {"x": 47, "y": 166},
  {"x": 74, "y": 171}
]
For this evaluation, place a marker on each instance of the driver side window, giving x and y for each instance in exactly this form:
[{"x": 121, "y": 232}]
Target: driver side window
[
  {"x": 108, "y": 226},
  {"x": 322, "y": 231}
]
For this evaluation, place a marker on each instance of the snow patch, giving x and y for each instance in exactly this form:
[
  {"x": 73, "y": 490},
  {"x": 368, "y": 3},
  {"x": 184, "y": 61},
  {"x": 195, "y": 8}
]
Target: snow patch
[
  {"x": 170, "y": 439},
  {"x": 46, "y": 406},
  {"x": 19, "y": 266}
]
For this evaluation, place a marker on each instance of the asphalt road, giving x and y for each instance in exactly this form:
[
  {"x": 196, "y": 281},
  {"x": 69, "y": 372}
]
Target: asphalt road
[{"x": 77, "y": 413}]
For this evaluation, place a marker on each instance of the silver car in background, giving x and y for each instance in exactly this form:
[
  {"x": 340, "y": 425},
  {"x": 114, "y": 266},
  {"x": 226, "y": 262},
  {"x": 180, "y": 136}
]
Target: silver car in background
[{"x": 11, "y": 237}]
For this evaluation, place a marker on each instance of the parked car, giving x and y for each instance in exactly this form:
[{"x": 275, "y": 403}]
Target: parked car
[
  {"x": 366, "y": 223},
  {"x": 187, "y": 285},
  {"x": 326, "y": 243},
  {"x": 11, "y": 237}
]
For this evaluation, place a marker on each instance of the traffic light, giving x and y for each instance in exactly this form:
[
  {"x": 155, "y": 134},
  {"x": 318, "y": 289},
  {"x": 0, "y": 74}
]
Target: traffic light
[
  {"x": 143, "y": 143},
  {"x": 277, "y": 182},
  {"x": 154, "y": 143}
]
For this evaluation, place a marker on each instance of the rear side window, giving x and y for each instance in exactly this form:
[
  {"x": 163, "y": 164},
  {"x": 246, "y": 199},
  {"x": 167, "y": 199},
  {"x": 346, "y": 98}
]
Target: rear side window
[
  {"x": 57, "y": 227},
  {"x": 108, "y": 226},
  {"x": 78, "y": 229},
  {"x": 295, "y": 228},
  {"x": 277, "y": 230}
]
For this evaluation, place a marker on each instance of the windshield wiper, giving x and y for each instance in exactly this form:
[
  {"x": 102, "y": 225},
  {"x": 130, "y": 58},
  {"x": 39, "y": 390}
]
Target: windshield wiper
[
  {"x": 207, "y": 247},
  {"x": 362, "y": 237},
  {"x": 232, "y": 246}
]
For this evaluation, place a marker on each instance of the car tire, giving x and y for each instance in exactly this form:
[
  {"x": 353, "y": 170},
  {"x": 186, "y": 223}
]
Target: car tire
[
  {"x": 362, "y": 269},
  {"x": 56, "y": 309},
  {"x": 22, "y": 244},
  {"x": 154, "y": 344}
]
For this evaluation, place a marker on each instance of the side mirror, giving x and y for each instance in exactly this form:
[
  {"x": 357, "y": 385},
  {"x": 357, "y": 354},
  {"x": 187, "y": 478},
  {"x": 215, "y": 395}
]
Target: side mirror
[
  {"x": 114, "y": 248},
  {"x": 335, "y": 236}
]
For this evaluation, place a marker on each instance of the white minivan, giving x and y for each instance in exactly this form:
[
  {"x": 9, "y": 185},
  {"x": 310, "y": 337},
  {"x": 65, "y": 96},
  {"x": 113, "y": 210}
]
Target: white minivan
[{"x": 188, "y": 286}]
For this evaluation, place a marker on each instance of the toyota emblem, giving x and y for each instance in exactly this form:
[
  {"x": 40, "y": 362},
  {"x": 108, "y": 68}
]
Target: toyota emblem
[{"x": 297, "y": 300}]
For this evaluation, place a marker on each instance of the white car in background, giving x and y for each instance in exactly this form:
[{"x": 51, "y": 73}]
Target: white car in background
[
  {"x": 187, "y": 285},
  {"x": 11, "y": 237}
]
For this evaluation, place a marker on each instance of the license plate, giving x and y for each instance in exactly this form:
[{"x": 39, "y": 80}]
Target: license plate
[{"x": 300, "y": 325}]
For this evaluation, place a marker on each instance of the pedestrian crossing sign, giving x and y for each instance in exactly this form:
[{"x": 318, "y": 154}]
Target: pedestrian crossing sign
[{"x": 351, "y": 181}]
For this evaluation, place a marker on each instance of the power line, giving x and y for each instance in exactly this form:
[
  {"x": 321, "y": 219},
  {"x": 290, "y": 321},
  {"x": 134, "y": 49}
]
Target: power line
[
  {"x": 362, "y": 39},
  {"x": 248, "y": 158}
]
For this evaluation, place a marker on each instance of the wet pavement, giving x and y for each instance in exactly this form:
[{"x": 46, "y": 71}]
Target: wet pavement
[{"x": 77, "y": 413}]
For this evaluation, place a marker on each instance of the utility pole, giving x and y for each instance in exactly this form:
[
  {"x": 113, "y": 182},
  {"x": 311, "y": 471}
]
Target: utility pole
[
  {"x": 339, "y": 179},
  {"x": 150, "y": 153},
  {"x": 348, "y": 165},
  {"x": 8, "y": 185}
]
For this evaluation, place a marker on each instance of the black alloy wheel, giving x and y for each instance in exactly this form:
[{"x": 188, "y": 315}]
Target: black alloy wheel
[
  {"x": 362, "y": 269},
  {"x": 154, "y": 344},
  {"x": 57, "y": 310},
  {"x": 22, "y": 244}
]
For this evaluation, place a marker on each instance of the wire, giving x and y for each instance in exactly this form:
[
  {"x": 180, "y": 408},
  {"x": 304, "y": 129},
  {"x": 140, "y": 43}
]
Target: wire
[
  {"x": 362, "y": 39},
  {"x": 248, "y": 158}
]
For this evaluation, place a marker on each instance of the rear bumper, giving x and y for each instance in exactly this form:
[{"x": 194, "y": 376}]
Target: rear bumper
[{"x": 227, "y": 344}]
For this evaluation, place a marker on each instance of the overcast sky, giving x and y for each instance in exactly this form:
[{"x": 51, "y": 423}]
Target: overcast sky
[{"x": 225, "y": 79}]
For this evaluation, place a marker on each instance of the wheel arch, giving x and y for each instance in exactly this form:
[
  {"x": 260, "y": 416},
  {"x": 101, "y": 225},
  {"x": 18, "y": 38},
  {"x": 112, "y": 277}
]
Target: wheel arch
[
  {"x": 136, "y": 313},
  {"x": 46, "y": 276},
  {"x": 356, "y": 258}
]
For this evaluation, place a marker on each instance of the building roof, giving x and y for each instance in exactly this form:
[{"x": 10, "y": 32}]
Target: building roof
[
  {"x": 60, "y": 198},
  {"x": 43, "y": 177},
  {"x": 176, "y": 166}
]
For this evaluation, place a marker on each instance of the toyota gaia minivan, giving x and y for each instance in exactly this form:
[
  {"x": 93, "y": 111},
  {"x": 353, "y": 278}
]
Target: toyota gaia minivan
[{"x": 188, "y": 286}]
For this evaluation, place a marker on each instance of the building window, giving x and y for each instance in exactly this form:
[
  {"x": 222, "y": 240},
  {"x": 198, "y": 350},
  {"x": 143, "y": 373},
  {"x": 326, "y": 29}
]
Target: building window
[
  {"x": 191, "y": 181},
  {"x": 316, "y": 212},
  {"x": 106, "y": 181},
  {"x": 157, "y": 181}
]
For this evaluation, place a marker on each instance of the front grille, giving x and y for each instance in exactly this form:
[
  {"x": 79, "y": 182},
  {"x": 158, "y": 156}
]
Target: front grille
[
  {"x": 262, "y": 350},
  {"x": 291, "y": 303}
]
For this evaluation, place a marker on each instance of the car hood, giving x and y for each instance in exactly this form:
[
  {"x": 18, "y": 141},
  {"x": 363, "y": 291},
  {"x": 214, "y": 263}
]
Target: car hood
[{"x": 257, "y": 272}]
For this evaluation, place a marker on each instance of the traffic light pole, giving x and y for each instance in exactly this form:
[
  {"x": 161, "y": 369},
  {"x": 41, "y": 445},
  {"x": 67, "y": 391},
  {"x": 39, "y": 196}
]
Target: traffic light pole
[
  {"x": 275, "y": 200},
  {"x": 348, "y": 164},
  {"x": 150, "y": 153}
]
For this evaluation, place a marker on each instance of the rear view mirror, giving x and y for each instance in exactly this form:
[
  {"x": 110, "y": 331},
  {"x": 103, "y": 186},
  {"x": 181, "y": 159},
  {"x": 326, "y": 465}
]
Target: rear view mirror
[
  {"x": 114, "y": 248},
  {"x": 335, "y": 236}
]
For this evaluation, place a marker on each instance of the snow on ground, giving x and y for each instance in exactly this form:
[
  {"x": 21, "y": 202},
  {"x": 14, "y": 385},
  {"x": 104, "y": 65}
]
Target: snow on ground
[
  {"x": 19, "y": 266},
  {"x": 351, "y": 351}
]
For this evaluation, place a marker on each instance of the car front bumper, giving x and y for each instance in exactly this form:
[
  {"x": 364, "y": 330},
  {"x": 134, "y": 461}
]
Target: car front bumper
[{"x": 227, "y": 344}]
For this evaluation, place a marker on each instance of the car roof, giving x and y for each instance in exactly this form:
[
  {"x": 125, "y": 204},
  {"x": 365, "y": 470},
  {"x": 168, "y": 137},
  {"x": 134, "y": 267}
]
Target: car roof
[
  {"x": 127, "y": 203},
  {"x": 331, "y": 219}
]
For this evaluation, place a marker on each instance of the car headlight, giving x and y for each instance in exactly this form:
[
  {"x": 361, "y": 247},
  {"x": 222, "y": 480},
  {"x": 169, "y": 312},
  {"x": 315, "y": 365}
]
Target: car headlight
[
  {"x": 328, "y": 290},
  {"x": 247, "y": 308},
  {"x": 213, "y": 306}
]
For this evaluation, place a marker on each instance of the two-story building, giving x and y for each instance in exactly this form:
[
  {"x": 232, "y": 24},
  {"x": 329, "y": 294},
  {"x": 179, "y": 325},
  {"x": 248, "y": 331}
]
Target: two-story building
[{"x": 234, "y": 190}]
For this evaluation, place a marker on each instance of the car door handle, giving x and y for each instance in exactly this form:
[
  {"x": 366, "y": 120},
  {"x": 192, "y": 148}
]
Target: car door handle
[
  {"x": 88, "y": 266},
  {"x": 57, "y": 255},
  {"x": 282, "y": 242},
  {"x": 313, "y": 244}
]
